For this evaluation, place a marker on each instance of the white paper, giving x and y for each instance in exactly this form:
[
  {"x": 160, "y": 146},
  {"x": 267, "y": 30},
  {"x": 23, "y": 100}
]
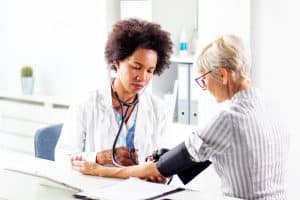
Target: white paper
[
  {"x": 55, "y": 173},
  {"x": 130, "y": 189}
]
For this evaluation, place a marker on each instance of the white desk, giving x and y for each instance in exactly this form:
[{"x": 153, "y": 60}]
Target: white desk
[
  {"x": 19, "y": 186},
  {"x": 15, "y": 186}
]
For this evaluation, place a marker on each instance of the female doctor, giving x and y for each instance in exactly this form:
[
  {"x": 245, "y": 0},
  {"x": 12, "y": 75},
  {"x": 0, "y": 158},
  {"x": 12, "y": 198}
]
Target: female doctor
[
  {"x": 246, "y": 142},
  {"x": 124, "y": 115}
]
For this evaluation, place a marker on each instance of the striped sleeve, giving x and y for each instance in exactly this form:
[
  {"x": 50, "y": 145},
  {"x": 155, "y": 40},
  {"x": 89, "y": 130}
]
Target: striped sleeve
[{"x": 213, "y": 139}]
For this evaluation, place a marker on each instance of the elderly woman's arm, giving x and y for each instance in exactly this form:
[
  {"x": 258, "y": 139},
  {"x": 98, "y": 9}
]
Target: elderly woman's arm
[{"x": 146, "y": 171}]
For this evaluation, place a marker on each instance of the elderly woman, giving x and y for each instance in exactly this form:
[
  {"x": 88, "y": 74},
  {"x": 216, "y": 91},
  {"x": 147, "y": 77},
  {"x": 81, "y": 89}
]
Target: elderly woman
[{"x": 245, "y": 142}]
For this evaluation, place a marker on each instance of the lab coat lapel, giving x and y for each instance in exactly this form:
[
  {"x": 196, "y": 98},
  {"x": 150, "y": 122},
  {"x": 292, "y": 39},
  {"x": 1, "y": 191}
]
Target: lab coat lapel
[
  {"x": 143, "y": 125},
  {"x": 109, "y": 126}
]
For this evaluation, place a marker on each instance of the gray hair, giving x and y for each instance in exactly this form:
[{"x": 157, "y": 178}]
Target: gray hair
[{"x": 227, "y": 51}]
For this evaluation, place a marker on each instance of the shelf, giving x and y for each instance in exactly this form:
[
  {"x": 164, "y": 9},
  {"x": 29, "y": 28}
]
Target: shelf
[
  {"x": 21, "y": 115},
  {"x": 53, "y": 102}
]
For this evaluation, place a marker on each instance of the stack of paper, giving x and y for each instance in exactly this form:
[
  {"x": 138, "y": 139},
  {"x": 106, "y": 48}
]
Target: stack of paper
[
  {"x": 88, "y": 186},
  {"x": 130, "y": 189},
  {"x": 61, "y": 175}
]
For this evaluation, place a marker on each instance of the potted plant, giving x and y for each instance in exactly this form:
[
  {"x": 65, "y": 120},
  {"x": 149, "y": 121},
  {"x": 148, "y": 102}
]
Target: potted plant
[{"x": 27, "y": 79}]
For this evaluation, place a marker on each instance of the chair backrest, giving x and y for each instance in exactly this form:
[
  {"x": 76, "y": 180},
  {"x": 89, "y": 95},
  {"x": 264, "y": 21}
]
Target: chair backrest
[{"x": 45, "y": 140}]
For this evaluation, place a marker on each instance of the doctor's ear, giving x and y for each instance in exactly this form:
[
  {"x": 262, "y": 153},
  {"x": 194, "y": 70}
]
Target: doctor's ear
[
  {"x": 224, "y": 75},
  {"x": 116, "y": 65}
]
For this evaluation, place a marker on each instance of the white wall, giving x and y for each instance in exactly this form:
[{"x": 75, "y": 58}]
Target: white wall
[
  {"x": 274, "y": 33},
  {"x": 216, "y": 18},
  {"x": 62, "y": 40},
  {"x": 223, "y": 17}
]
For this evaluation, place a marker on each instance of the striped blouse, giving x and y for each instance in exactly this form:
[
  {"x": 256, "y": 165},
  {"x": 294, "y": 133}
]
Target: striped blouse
[{"x": 248, "y": 147}]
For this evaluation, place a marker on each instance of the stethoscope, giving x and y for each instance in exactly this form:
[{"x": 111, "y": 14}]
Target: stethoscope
[{"x": 123, "y": 117}]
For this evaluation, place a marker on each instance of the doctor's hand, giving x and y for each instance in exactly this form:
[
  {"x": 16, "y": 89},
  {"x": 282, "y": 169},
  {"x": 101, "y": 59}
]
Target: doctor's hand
[{"x": 124, "y": 156}]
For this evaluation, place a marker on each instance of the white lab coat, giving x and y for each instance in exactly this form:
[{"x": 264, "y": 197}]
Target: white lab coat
[{"x": 91, "y": 126}]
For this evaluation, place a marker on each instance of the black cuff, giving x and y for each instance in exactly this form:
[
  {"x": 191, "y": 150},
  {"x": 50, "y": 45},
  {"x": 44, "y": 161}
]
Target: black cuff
[
  {"x": 190, "y": 173},
  {"x": 178, "y": 161},
  {"x": 174, "y": 161}
]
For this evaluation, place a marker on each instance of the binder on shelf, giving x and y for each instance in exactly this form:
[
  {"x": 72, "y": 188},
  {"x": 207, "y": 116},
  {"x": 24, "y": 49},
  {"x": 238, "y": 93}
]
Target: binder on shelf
[
  {"x": 183, "y": 94},
  {"x": 194, "y": 114},
  {"x": 194, "y": 97},
  {"x": 188, "y": 92}
]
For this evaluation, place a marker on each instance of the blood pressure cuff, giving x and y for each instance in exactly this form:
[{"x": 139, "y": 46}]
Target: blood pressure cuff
[{"x": 178, "y": 161}]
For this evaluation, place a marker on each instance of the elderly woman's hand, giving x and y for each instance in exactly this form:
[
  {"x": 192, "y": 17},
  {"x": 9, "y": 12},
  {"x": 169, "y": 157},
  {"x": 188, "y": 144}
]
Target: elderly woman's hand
[{"x": 155, "y": 179}]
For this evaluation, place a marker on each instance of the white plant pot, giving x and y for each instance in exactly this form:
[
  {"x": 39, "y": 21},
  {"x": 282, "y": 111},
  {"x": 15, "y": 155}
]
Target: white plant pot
[{"x": 27, "y": 85}]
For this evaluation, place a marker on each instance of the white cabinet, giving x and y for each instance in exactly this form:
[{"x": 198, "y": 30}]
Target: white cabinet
[{"x": 20, "y": 116}]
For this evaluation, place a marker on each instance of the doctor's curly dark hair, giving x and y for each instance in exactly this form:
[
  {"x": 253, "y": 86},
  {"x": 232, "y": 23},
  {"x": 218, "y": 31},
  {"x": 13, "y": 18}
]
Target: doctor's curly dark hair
[{"x": 130, "y": 34}]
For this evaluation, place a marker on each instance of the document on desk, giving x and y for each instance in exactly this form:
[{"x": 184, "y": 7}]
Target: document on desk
[
  {"x": 130, "y": 189},
  {"x": 51, "y": 172}
]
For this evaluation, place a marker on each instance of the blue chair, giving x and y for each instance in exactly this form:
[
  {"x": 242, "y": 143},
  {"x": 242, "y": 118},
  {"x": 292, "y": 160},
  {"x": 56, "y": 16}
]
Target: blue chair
[{"x": 45, "y": 140}]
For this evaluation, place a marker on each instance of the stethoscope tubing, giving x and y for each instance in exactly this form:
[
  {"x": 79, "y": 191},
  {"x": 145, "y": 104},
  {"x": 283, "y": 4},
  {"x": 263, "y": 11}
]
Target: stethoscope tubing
[{"x": 124, "y": 115}]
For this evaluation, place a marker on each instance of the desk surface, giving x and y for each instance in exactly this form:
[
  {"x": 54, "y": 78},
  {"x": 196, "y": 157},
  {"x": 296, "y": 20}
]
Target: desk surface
[
  {"x": 15, "y": 186},
  {"x": 19, "y": 186}
]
